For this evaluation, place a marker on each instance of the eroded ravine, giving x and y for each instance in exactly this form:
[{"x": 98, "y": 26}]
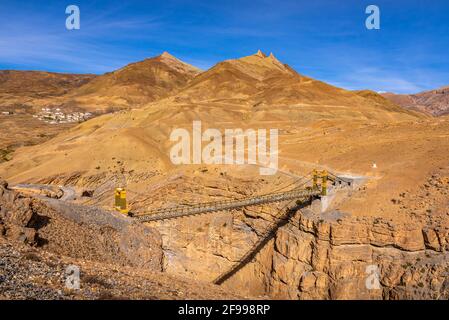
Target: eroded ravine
[
  {"x": 303, "y": 253},
  {"x": 310, "y": 255}
]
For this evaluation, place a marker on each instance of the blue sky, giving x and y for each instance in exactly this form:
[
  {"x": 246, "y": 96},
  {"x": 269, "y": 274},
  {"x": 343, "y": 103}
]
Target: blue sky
[{"x": 326, "y": 40}]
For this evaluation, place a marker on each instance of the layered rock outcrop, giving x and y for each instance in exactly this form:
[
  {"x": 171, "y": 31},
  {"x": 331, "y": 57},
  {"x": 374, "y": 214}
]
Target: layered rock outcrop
[
  {"x": 78, "y": 231},
  {"x": 311, "y": 256},
  {"x": 17, "y": 216}
]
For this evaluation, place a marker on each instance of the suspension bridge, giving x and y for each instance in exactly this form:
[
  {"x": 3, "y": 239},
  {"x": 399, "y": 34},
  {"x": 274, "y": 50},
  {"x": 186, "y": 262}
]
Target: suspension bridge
[{"x": 316, "y": 186}]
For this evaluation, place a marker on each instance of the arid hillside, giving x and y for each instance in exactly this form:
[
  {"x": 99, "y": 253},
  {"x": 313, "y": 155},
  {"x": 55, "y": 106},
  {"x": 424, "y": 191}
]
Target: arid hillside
[
  {"x": 258, "y": 80},
  {"x": 24, "y": 93},
  {"x": 377, "y": 98},
  {"x": 131, "y": 86},
  {"x": 134, "y": 85},
  {"x": 434, "y": 102},
  {"x": 141, "y": 136},
  {"x": 21, "y": 91}
]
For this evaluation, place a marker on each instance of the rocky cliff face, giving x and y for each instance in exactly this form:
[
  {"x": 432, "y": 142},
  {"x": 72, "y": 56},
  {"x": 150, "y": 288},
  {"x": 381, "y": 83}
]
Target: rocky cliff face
[
  {"x": 344, "y": 259},
  {"x": 311, "y": 255},
  {"x": 77, "y": 231},
  {"x": 17, "y": 216}
]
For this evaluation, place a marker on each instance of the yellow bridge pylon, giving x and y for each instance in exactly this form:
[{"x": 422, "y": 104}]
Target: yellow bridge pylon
[
  {"x": 120, "y": 201},
  {"x": 324, "y": 178}
]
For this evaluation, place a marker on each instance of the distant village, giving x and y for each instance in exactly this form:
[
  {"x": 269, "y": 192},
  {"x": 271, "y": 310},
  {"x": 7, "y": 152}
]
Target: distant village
[{"x": 56, "y": 116}]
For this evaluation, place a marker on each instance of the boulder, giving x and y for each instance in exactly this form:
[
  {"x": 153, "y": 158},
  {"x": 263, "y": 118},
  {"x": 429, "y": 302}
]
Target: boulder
[
  {"x": 24, "y": 235},
  {"x": 88, "y": 193}
]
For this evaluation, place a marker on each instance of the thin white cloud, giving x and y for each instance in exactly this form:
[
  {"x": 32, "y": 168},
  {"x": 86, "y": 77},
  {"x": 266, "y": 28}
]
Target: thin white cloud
[
  {"x": 43, "y": 45},
  {"x": 378, "y": 80}
]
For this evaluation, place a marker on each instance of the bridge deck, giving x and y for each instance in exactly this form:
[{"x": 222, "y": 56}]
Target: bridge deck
[{"x": 181, "y": 211}]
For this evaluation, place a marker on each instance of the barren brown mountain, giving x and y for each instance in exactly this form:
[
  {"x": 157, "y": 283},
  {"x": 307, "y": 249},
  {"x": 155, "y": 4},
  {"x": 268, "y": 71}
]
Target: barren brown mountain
[
  {"x": 435, "y": 102},
  {"x": 20, "y": 91},
  {"x": 134, "y": 85},
  {"x": 395, "y": 218},
  {"x": 261, "y": 80},
  {"x": 24, "y": 93},
  {"x": 218, "y": 97}
]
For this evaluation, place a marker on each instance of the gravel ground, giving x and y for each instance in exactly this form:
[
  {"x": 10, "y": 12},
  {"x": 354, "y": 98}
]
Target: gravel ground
[
  {"x": 23, "y": 275},
  {"x": 28, "y": 273}
]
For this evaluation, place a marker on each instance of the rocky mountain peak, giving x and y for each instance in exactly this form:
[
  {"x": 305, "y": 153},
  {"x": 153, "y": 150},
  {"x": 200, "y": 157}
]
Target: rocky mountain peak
[{"x": 260, "y": 54}]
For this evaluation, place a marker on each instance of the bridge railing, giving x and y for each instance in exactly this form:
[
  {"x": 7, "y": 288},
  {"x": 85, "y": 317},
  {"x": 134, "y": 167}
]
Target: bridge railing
[
  {"x": 319, "y": 188},
  {"x": 180, "y": 211}
]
